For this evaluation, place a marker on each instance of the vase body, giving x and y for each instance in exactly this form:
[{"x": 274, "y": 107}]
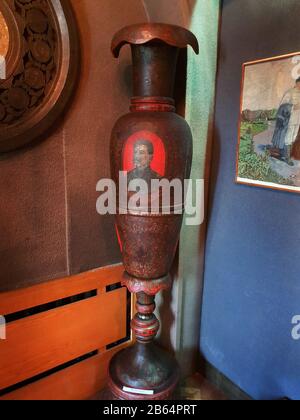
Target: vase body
[
  {"x": 149, "y": 240},
  {"x": 150, "y": 143}
]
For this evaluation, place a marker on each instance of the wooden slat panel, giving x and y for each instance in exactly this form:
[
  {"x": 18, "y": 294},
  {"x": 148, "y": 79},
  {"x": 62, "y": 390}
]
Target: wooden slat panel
[
  {"x": 41, "y": 342},
  {"x": 78, "y": 382},
  {"x": 18, "y": 300}
]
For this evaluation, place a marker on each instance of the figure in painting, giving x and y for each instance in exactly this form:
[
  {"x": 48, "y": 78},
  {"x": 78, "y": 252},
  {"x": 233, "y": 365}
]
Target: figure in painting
[
  {"x": 287, "y": 123},
  {"x": 143, "y": 155},
  {"x": 282, "y": 124}
]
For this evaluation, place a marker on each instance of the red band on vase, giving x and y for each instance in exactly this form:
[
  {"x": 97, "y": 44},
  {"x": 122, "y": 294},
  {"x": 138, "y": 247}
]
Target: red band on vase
[{"x": 152, "y": 103}]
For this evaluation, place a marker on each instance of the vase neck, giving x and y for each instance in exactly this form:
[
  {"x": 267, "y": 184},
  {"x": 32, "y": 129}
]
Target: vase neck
[
  {"x": 154, "y": 69},
  {"x": 152, "y": 103}
]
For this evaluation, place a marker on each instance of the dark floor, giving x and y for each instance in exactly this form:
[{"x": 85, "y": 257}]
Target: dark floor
[
  {"x": 198, "y": 388},
  {"x": 193, "y": 388}
]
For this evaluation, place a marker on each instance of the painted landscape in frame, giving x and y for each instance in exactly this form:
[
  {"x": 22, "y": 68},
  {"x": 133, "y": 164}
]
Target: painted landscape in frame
[{"x": 268, "y": 152}]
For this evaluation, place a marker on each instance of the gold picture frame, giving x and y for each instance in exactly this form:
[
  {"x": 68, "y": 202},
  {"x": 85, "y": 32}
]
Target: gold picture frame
[{"x": 268, "y": 152}]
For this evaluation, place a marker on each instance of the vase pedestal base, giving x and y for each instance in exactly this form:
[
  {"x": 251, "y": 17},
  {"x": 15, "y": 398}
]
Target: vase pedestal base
[{"x": 143, "y": 372}]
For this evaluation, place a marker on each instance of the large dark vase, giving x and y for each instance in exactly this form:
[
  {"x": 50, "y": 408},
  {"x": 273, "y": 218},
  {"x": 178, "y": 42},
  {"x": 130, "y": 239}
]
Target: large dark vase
[{"x": 151, "y": 142}]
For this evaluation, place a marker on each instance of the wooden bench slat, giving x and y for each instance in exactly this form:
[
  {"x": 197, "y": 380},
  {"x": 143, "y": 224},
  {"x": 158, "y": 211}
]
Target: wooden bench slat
[
  {"x": 78, "y": 382},
  {"x": 41, "y": 342},
  {"x": 18, "y": 300}
]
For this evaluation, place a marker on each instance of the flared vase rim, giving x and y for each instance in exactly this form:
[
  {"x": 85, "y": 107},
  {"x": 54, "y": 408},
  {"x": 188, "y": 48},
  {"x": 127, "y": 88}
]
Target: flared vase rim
[{"x": 143, "y": 33}]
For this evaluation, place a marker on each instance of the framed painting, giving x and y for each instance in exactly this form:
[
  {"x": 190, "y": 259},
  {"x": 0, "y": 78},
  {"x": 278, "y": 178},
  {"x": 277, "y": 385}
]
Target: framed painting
[{"x": 268, "y": 152}]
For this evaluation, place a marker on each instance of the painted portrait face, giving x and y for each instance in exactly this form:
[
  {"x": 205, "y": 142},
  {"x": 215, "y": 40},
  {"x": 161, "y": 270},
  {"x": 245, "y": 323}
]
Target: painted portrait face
[
  {"x": 142, "y": 150},
  {"x": 142, "y": 156}
]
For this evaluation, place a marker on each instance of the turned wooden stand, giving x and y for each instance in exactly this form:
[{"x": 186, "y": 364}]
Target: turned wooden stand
[{"x": 144, "y": 371}]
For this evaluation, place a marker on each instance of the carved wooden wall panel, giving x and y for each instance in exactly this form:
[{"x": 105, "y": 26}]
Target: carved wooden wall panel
[{"x": 41, "y": 68}]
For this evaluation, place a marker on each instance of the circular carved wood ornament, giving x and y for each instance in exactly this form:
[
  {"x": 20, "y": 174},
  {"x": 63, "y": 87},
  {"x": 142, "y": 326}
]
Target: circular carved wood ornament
[{"x": 38, "y": 70}]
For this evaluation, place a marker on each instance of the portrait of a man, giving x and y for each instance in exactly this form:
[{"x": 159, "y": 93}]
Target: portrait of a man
[{"x": 143, "y": 156}]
